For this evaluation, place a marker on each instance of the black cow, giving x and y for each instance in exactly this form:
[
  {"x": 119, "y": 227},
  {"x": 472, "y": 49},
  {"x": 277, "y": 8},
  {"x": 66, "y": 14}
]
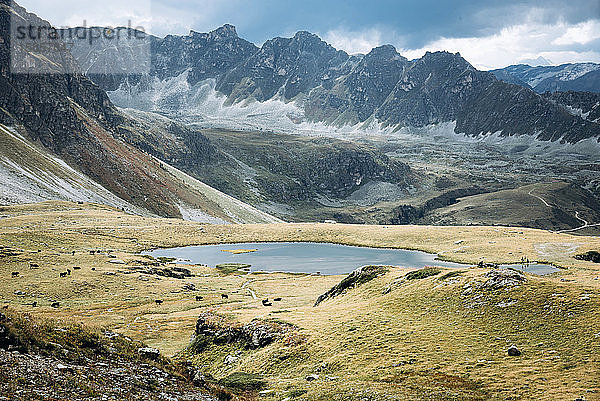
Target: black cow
[
  {"x": 63, "y": 274},
  {"x": 224, "y": 296},
  {"x": 15, "y": 274},
  {"x": 266, "y": 302},
  {"x": 278, "y": 299},
  {"x": 199, "y": 298},
  {"x": 55, "y": 304},
  {"x": 159, "y": 301}
]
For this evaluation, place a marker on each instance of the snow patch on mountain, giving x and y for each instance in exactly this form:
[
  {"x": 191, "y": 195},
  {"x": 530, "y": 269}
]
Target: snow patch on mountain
[{"x": 202, "y": 106}]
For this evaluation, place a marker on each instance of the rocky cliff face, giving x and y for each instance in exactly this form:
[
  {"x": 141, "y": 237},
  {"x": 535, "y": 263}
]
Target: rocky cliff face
[
  {"x": 206, "y": 55},
  {"x": 285, "y": 67}
]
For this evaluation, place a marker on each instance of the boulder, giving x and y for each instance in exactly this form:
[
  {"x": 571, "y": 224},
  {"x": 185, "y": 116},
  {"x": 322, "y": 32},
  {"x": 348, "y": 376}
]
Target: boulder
[
  {"x": 148, "y": 352},
  {"x": 312, "y": 377},
  {"x": 255, "y": 334},
  {"x": 514, "y": 351},
  {"x": 229, "y": 359}
]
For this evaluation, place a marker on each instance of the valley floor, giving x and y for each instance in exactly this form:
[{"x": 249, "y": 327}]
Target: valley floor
[{"x": 441, "y": 337}]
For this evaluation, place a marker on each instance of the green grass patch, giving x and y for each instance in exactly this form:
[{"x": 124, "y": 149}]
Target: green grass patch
[
  {"x": 231, "y": 268},
  {"x": 452, "y": 273},
  {"x": 423, "y": 273}
]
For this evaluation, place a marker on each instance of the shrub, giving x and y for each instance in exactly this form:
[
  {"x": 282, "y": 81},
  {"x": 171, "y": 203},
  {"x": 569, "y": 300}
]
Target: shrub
[{"x": 230, "y": 268}]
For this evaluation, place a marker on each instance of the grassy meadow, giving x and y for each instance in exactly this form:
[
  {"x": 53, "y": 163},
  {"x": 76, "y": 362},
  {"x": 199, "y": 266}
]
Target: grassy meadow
[{"x": 438, "y": 337}]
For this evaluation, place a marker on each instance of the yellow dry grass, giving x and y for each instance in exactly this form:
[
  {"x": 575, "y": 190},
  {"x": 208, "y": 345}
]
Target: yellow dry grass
[{"x": 424, "y": 340}]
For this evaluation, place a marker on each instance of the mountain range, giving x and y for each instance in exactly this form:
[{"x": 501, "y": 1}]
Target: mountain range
[
  {"x": 331, "y": 87},
  {"x": 217, "y": 129},
  {"x": 582, "y": 77}
]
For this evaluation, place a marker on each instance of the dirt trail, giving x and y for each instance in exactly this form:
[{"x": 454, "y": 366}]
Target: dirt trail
[{"x": 585, "y": 222}]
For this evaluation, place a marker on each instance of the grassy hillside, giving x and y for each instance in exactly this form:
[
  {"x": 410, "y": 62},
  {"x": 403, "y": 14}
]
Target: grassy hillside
[
  {"x": 442, "y": 337},
  {"x": 557, "y": 205}
]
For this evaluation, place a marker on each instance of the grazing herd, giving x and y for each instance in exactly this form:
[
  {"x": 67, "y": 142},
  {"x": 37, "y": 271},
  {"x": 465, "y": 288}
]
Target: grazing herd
[
  {"x": 265, "y": 302},
  {"x": 158, "y": 302}
]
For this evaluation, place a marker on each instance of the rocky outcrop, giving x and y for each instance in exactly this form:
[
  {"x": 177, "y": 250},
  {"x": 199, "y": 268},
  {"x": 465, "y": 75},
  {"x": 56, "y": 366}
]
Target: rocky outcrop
[
  {"x": 47, "y": 361},
  {"x": 212, "y": 329},
  {"x": 502, "y": 278},
  {"x": 358, "y": 277},
  {"x": 591, "y": 256}
]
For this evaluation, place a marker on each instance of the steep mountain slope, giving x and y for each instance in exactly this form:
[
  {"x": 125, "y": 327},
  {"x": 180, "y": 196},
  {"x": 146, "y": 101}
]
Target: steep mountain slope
[
  {"x": 72, "y": 118},
  {"x": 583, "y": 77},
  {"x": 284, "y": 67},
  {"x": 583, "y": 104},
  {"x": 31, "y": 174}
]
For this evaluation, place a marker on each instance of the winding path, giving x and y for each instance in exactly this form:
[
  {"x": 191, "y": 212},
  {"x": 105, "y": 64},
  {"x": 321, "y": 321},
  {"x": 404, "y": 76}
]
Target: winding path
[
  {"x": 539, "y": 197},
  {"x": 586, "y": 224}
]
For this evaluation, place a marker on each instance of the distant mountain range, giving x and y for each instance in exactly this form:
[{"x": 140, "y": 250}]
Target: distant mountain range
[
  {"x": 330, "y": 87},
  {"x": 582, "y": 77}
]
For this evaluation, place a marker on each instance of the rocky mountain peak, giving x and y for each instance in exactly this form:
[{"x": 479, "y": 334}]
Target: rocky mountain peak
[
  {"x": 445, "y": 58},
  {"x": 225, "y": 31},
  {"x": 383, "y": 50}
]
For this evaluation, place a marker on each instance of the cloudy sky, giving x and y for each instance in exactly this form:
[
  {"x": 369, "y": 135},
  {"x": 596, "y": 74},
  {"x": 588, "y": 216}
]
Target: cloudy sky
[{"x": 489, "y": 34}]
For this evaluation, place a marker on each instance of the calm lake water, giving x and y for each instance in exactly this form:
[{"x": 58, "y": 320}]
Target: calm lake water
[{"x": 301, "y": 257}]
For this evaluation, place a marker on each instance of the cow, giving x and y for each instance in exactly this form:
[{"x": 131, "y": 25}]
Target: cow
[
  {"x": 33, "y": 265},
  {"x": 199, "y": 298},
  {"x": 69, "y": 272},
  {"x": 159, "y": 301},
  {"x": 63, "y": 274},
  {"x": 278, "y": 299},
  {"x": 266, "y": 302},
  {"x": 15, "y": 274},
  {"x": 224, "y": 296},
  {"x": 76, "y": 268},
  {"x": 55, "y": 304}
]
